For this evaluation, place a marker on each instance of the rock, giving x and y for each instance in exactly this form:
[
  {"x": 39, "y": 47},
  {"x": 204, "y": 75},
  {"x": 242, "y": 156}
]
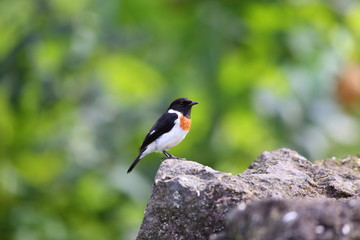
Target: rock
[{"x": 192, "y": 201}]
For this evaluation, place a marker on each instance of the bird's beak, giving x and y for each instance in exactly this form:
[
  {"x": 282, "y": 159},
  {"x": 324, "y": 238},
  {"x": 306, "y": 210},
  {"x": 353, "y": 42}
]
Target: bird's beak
[{"x": 193, "y": 103}]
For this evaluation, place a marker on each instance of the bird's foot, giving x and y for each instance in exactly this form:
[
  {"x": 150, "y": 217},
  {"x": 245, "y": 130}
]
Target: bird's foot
[
  {"x": 177, "y": 158},
  {"x": 170, "y": 156}
]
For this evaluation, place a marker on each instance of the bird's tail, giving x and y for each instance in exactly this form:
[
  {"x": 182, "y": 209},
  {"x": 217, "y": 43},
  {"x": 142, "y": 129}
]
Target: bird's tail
[{"x": 134, "y": 163}]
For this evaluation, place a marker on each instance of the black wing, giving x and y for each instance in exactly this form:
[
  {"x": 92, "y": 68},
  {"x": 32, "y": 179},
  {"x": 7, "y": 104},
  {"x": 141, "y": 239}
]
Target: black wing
[{"x": 165, "y": 123}]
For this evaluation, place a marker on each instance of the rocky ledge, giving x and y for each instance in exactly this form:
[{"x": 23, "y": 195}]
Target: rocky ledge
[{"x": 281, "y": 196}]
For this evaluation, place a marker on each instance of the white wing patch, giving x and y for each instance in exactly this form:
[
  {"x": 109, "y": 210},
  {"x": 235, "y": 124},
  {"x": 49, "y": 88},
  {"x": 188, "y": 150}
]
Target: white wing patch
[{"x": 152, "y": 132}]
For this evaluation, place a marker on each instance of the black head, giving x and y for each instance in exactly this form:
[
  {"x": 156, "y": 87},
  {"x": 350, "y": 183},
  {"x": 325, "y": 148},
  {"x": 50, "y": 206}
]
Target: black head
[{"x": 182, "y": 105}]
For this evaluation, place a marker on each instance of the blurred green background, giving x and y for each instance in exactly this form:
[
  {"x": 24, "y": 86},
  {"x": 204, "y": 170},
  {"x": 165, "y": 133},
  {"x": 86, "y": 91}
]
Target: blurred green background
[{"x": 81, "y": 83}]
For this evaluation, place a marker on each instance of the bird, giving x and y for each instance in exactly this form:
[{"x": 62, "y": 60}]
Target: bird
[{"x": 168, "y": 131}]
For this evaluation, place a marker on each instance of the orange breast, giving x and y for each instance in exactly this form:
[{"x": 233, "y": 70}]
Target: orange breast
[{"x": 185, "y": 123}]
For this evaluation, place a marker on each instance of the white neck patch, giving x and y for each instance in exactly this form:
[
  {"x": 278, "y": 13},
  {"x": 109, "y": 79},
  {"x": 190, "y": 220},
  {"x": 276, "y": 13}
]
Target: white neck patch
[{"x": 174, "y": 111}]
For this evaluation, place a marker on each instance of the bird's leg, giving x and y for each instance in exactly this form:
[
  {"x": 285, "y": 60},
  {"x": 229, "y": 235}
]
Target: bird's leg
[{"x": 169, "y": 155}]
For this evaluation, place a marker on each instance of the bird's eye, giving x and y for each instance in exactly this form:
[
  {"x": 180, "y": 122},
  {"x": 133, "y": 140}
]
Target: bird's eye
[{"x": 182, "y": 103}]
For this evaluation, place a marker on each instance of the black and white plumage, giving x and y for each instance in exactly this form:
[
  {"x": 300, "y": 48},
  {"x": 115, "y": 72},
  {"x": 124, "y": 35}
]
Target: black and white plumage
[{"x": 168, "y": 131}]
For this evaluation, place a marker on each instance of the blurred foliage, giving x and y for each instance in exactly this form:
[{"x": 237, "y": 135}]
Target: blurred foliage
[{"x": 81, "y": 82}]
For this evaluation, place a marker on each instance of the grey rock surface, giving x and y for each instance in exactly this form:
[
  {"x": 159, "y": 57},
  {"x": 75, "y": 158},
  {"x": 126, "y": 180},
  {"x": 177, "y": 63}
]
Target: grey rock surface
[
  {"x": 192, "y": 201},
  {"x": 294, "y": 219}
]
